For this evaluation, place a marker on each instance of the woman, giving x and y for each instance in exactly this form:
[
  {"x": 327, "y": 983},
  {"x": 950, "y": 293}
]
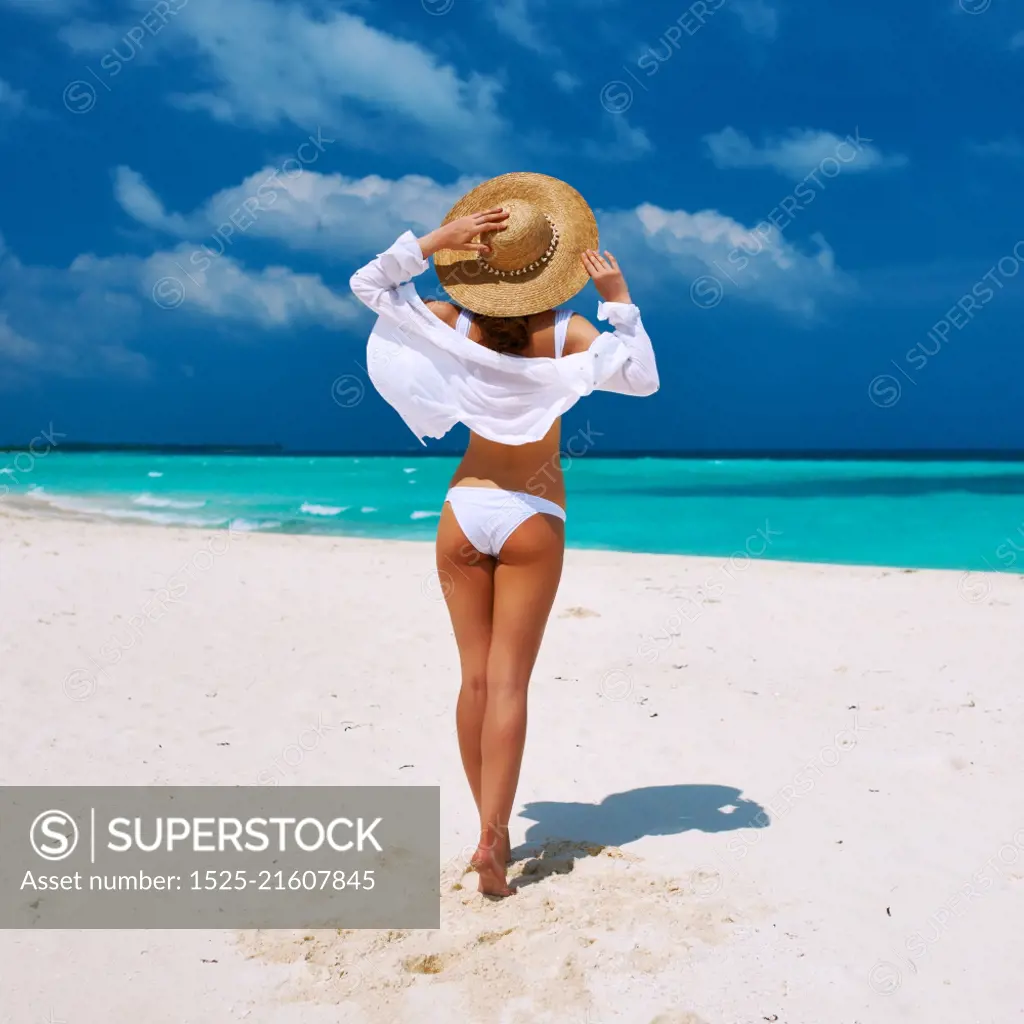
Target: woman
[{"x": 507, "y": 365}]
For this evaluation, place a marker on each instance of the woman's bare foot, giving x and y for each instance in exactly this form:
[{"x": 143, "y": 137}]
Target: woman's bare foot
[
  {"x": 502, "y": 846},
  {"x": 492, "y": 855},
  {"x": 491, "y": 871}
]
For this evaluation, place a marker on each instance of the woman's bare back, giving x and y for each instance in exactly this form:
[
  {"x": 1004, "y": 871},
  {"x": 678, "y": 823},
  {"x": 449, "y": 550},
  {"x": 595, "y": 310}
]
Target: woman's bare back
[
  {"x": 541, "y": 327},
  {"x": 535, "y": 468}
]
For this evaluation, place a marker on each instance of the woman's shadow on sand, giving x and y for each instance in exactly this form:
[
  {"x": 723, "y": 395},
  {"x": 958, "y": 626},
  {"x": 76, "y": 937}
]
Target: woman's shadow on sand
[{"x": 563, "y": 831}]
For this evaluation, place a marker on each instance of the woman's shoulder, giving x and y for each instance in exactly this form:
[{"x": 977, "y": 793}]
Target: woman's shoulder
[
  {"x": 446, "y": 311},
  {"x": 579, "y": 334},
  {"x": 547, "y": 319}
]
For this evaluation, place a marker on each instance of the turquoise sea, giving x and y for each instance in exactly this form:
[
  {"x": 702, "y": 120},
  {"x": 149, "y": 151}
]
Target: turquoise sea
[{"x": 954, "y": 515}]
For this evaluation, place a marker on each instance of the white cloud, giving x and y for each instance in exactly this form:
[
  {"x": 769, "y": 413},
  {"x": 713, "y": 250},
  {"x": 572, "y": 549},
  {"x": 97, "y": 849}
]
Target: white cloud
[
  {"x": 139, "y": 201},
  {"x": 92, "y": 316},
  {"x": 12, "y": 101},
  {"x": 15, "y": 347},
  {"x": 566, "y": 81},
  {"x": 270, "y": 63},
  {"x": 275, "y": 297},
  {"x": 96, "y": 37},
  {"x": 757, "y": 17},
  {"x": 47, "y": 8},
  {"x": 352, "y": 218},
  {"x": 21, "y": 358},
  {"x": 799, "y": 153},
  {"x": 312, "y": 212},
  {"x": 53, "y": 317},
  {"x": 671, "y": 249},
  {"x": 65, "y": 323},
  {"x": 627, "y": 143},
  {"x": 1009, "y": 147},
  {"x": 518, "y": 21}
]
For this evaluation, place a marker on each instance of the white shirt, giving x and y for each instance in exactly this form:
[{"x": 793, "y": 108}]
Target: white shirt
[{"x": 434, "y": 377}]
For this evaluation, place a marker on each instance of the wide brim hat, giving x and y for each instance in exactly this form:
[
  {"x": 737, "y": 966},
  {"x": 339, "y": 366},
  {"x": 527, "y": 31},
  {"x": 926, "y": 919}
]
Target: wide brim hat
[{"x": 535, "y": 263}]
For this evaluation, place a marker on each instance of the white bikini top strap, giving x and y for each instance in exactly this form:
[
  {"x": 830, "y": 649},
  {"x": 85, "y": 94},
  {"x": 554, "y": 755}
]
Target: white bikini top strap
[
  {"x": 462, "y": 324},
  {"x": 562, "y": 318}
]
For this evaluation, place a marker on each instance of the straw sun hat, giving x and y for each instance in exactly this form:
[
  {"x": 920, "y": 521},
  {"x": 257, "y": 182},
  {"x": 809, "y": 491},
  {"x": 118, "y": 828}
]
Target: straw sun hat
[{"x": 535, "y": 263}]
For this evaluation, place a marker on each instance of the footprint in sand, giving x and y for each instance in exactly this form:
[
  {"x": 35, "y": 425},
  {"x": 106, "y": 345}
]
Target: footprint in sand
[
  {"x": 576, "y": 904},
  {"x": 431, "y": 963},
  {"x": 579, "y": 613}
]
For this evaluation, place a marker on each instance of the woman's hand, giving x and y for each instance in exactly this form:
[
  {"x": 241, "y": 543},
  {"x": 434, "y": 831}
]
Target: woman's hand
[
  {"x": 459, "y": 234},
  {"x": 607, "y": 278}
]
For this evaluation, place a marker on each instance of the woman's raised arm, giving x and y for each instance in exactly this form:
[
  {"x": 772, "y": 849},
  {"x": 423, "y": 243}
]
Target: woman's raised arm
[
  {"x": 378, "y": 284},
  {"x": 639, "y": 374}
]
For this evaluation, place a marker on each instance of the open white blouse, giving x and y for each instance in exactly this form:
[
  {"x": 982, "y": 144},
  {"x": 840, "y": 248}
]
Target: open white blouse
[{"x": 435, "y": 377}]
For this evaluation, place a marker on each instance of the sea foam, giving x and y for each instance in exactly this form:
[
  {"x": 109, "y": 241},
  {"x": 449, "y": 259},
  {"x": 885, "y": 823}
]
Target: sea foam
[
  {"x": 251, "y": 526},
  {"x": 152, "y": 501},
  {"x": 322, "y": 510}
]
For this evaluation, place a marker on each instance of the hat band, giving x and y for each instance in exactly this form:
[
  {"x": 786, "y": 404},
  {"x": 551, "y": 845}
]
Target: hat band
[{"x": 540, "y": 261}]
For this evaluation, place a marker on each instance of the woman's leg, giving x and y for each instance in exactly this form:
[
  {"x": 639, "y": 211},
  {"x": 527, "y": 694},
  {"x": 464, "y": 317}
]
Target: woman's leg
[
  {"x": 525, "y": 582},
  {"x": 466, "y": 579}
]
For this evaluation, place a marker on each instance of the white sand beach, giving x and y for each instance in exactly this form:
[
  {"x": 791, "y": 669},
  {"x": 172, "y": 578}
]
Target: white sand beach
[{"x": 757, "y": 791}]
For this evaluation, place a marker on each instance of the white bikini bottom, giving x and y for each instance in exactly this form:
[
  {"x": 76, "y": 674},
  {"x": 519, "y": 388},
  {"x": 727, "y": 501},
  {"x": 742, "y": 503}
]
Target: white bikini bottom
[{"x": 488, "y": 515}]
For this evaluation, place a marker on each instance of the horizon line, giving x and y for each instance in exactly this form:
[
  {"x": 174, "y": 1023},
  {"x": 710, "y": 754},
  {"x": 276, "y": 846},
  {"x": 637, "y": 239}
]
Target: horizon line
[{"x": 737, "y": 454}]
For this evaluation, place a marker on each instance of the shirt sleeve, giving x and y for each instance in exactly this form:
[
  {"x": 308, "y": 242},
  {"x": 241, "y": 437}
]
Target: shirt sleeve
[
  {"x": 639, "y": 374},
  {"x": 379, "y": 284}
]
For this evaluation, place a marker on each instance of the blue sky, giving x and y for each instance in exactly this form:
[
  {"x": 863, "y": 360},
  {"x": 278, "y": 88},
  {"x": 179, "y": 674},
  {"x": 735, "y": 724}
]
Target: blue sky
[{"x": 818, "y": 208}]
